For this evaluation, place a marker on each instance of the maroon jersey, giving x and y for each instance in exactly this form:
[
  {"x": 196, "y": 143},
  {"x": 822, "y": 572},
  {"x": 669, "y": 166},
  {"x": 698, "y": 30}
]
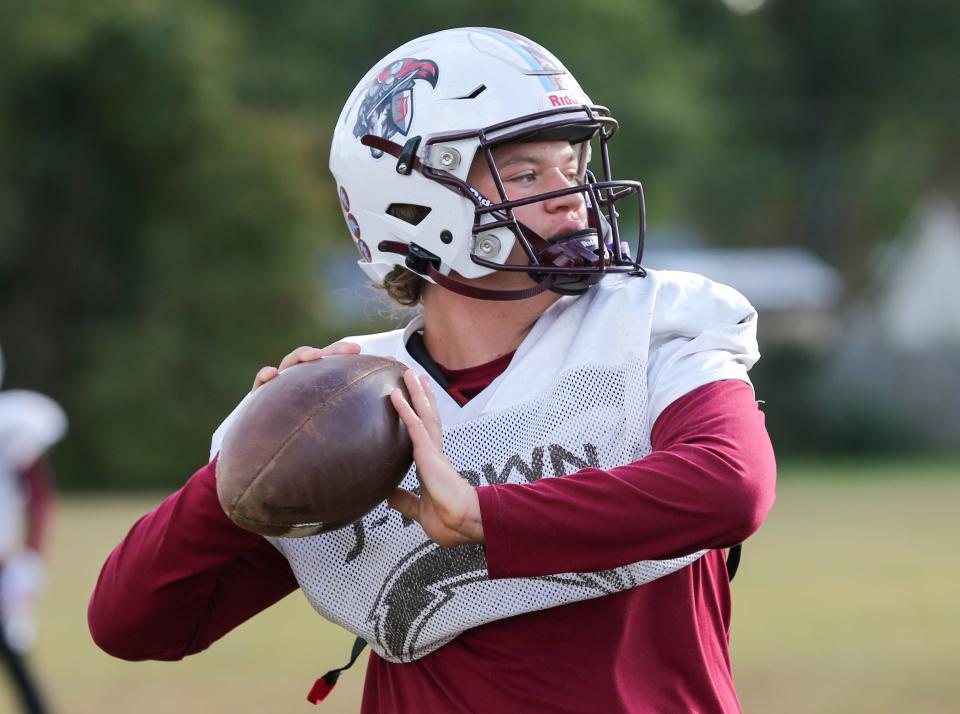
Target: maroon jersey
[{"x": 185, "y": 575}]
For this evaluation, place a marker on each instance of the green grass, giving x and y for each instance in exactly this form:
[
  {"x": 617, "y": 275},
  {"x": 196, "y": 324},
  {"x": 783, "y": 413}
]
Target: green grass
[
  {"x": 846, "y": 602},
  {"x": 847, "y": 598},
  {"x": 267, "y": 664}
]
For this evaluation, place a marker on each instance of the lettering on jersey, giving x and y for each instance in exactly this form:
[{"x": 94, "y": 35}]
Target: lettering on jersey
[
  {"x": 428, "y": 577},
  {"x": 531, "y": 472},
  {"x": 472, "y": 477},
  {"x": 559, "y": 457},
  {"x": 358, "y": 541}
]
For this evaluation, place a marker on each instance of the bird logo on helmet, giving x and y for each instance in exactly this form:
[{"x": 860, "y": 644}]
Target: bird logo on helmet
[{"x": 387, "y": 107}]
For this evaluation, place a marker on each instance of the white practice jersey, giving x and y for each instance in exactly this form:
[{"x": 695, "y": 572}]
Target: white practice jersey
[
  {"x": 30, "y": 423},
  {"x": 12, "y": 503},
  {"x": 583, "y": 389}
]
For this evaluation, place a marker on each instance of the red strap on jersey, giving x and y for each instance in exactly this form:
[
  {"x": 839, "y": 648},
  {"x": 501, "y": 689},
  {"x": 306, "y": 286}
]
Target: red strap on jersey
[
  {"x": 323, "y": 686},
  {"x": 319, "y": 691}
]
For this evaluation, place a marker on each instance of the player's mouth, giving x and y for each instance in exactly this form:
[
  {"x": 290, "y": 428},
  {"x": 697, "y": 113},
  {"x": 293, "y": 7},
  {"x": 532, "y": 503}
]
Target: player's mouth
[
  {"x": 568, "y": 229},
  {"x": 581, "y": 235},
  {"x": 570, "y": 248}
]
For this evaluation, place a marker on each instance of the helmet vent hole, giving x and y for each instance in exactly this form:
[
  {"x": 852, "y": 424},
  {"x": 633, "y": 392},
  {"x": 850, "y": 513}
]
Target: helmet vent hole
[
  {"x": 408, "y": 212},
  {"x": 475, "y": 93}
]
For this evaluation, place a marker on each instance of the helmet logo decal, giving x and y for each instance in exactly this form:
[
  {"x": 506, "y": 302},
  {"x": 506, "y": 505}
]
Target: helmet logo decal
[
  {"x": 387, "y": 107},
  {"x": 542, "y": 64},
  {"x": 364, "y": 251},
  {"x": 353, "y": 225}
]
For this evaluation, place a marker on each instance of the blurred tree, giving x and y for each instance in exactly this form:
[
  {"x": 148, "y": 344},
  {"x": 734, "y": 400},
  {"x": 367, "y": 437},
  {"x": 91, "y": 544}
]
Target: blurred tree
[
  {"x": 840, "y": 116},
  {"x": 155, "y": 249},
  {"x": 630, "y": 56},
  {"x": 164, "y": 196}
]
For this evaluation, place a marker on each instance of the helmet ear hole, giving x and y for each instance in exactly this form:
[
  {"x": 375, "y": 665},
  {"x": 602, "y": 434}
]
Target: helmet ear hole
[{"x": 408, "y": 212}]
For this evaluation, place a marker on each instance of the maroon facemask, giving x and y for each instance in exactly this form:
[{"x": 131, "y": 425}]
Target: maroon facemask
[
  {"x": 567, "y": 264},
  {"x": 574, "y": 250}
]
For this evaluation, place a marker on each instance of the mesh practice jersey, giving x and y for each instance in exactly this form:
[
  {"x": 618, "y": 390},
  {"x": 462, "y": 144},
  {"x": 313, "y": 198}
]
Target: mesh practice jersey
[{"x": 583, "y": 390}]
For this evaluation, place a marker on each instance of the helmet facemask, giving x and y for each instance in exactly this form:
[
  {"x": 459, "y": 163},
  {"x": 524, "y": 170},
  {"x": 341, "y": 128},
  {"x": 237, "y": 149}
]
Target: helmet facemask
[{"x": 569, "y": 263}]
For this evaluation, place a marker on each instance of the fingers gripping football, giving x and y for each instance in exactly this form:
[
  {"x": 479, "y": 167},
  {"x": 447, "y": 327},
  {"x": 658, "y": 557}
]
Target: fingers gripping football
[
  {"x": 447, "y": 508},
  {"x": 304, "y": 354}
]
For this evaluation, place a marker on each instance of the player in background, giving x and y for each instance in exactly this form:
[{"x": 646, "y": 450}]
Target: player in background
[
  {"x": 587, "y": 442},
  {"x": 30, "y": 423}
]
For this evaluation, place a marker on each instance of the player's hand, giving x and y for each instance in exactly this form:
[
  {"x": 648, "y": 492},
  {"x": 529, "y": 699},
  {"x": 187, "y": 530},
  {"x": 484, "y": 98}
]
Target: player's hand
[
  {"x": 447, "y": 508},
  {"x": 304, "y": 354}
]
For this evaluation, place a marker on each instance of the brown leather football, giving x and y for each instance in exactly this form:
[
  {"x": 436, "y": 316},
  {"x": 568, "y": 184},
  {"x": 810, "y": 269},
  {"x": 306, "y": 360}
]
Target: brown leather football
[{"x": 316, "y": 447}]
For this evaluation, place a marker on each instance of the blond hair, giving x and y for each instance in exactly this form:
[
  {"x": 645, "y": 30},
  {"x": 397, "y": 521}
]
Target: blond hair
[{"x": 403, "y": 286}]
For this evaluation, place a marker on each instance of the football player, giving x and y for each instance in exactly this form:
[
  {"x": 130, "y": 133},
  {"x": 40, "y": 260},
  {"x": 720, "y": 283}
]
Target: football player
[
  {"x": 30, "y": 423},
  {"x": 587, "y": 442}
]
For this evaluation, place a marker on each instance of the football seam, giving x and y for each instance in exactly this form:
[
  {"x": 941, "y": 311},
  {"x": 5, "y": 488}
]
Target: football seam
[
  {"x": 296, "y": 431},
  {"x": 292, "y": 526}
]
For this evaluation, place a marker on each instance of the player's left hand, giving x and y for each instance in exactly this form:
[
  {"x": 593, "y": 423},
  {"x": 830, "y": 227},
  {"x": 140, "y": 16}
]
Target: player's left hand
[{"x": 447, "y": 508}]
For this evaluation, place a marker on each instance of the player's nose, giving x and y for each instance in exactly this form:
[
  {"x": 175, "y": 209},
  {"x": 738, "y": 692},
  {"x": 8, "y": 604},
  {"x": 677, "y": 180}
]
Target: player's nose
[{"x": 556, "y": 180}]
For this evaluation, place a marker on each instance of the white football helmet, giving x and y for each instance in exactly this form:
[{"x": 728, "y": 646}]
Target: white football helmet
[{"x": 406, "y": 139}]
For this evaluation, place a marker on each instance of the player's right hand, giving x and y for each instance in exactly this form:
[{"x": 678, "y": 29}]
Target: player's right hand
[
  {"x": 447, "y": 507},
  {"x": 304, "y": 354}
]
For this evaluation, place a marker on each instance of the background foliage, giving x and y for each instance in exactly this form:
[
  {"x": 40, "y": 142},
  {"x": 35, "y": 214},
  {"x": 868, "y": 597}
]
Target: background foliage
[{"x": 165, "y": 208}]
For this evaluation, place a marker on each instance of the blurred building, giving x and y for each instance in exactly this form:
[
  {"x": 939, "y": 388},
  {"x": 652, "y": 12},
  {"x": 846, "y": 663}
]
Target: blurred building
[
  {"x": 914, "y": 301},
  {"x": 901, "y": 351}
]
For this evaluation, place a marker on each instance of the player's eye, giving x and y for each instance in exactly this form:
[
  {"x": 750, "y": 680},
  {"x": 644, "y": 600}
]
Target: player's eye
[{"x": 524, "y": 177}]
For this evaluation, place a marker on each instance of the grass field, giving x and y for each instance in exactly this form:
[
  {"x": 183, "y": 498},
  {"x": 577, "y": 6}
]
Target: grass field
[{"x": 846, "y": 602}]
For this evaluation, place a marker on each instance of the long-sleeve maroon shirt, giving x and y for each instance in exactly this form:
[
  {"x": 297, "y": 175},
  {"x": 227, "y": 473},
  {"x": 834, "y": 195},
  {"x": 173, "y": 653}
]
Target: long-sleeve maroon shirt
[
  {"x": 185, "y": 575},
  {"x": 41, "y": 503}
]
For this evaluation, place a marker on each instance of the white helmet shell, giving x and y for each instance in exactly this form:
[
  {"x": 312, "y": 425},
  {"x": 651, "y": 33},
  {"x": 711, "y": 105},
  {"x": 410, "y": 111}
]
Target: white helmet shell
[
  {"x": 30, "y": 423},
  {"x": 461, "y": 80}
]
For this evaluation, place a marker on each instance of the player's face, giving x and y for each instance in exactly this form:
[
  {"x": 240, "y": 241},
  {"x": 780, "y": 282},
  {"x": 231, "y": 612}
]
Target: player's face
[{"x": 532, "y": 168}]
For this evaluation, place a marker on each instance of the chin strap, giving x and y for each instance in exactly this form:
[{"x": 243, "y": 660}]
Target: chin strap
[
  {"x": 424, "y": 263},
  {"x": 406, "y": 155}
]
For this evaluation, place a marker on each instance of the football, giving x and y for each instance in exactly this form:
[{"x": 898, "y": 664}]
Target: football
[{"x": 316, "y": 447}]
